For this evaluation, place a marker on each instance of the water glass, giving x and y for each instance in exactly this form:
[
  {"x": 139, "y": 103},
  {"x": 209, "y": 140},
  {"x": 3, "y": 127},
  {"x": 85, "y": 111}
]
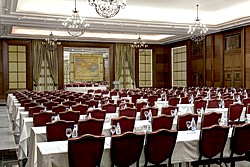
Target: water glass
[
  {"x": 68, "y": 132},
  {"x": 112, "y": 129},
  {"x": 146, "y": 114},
  {"x": 188, "y": 124}
]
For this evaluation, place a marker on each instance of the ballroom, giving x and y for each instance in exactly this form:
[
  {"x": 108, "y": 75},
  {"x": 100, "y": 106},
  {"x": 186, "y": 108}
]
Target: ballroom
[{"x": 124, "y": 83}]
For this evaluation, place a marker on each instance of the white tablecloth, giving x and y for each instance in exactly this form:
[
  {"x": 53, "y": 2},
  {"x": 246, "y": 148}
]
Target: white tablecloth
[
  {"x": 85, "y": 89},
  {"x": 54, "y": 154}
]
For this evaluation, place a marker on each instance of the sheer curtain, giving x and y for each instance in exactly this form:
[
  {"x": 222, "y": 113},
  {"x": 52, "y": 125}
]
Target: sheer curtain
[
  {"x": 38, "y": 53},
  {"x": 124, "y": 52}
]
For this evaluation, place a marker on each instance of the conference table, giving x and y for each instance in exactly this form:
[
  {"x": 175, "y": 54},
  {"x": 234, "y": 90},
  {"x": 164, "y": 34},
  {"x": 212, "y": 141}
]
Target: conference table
[
  {"x": 85, "y": 89},
  {"x": 54, "y": 154}
]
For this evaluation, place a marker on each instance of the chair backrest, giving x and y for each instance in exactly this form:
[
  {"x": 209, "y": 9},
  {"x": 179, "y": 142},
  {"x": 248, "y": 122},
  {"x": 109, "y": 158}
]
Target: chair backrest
[
  {"x": 198, "y": 104},
  {"x": 182, "y": 119},
  {"x": 162, "y": 122},
  {"x": 56, "y": 131},
  {"x": 234, "y": 112},
  {"x": 69, "y": 103},
  {"x": 184, "y": 100},
  {"x": 50, "y": 104},
  {"x": 213, "y": 103},
  {"x": 157, "y": 140},
  {"x": 227, "y": 102},
  {"x": 173, "y": 101},
  {"x": 210, "y": 118},
  {"x": 70, "y": 116},
  {"x": 59, "y": 99},
  {"x": 240, "y": 139},
  {"x": 154, "y": 112},
  {"x": 167, "y": 110},
  {"x": 110, "y": 108},
  {"x": 85, "y": 151},
  {"x": 126, "y": 123},
  {"x": 25, "y": 101},
  {"x": 97, "y": 113},
  {"x": 126, "y": 148},
  {"x": 80, "y": 107},
  {"x": 41, "y": 118},
  {"x": 90, "y": 126},
  {"x": 42, "y": 100},
  {"x": 129, "y": 112},
  {"x": 135, "y": 97},
  {"x": 246, "y": 101},
  {"x": 141, "y": 105},
  {"x": 59, "y": 108},
  {"x": 81, "y": 100},
  {"x": 92, "y": 103},
  {"x": 152, "y": 99},
  {"x": 35, "y": 109},
  {"x": 216, "y": 144},
  {"x": 28, "y": 105}
]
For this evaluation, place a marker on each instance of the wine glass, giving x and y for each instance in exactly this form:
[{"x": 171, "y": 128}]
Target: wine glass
[
  {"x": 68, "y": 132},
  {"x": 146, "y": 114},
  {"x": 188, "y": 124},
  {"x": 53, "y": 119},
  {"x": 220, "y": 104},
  {"x": 199, "y": 112},
  {"x": 173, "y": 113},
  {"x": 112, "y": 129},
  {"x": 220, "y": 122}
]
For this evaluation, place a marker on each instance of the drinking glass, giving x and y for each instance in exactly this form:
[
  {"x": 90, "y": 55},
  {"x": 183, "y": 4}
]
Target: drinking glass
[
  {"x": 53, "y": 119},
  {"x": 220, "y": 104},
  {"x": 68, "y": 132},
  {"x": 146, "y": 114},
  {"x": 199, "y": 112},
  {"x": 112, "y": 129},
  {"x": 188, "y": 124},
  {"x": 220, "y": 122}
]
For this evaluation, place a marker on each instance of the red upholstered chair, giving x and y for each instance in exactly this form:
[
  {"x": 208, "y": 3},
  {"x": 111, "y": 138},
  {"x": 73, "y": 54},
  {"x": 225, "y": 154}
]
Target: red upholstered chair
[
  {"x": 129, "y": 112},
  {"x": 28, "y": 105},
  {"x": 110, "y": 108},
  {"x": 152, "y": 99},
  {"x": 122, "y": 94},
  {"x": 246, "y": 101},
  {"x": 59, "y": 108},
  {"x": 41, "y": 118},
  {"x": 227, "y": 102},
  {"x": 42, "y": 100},
  {"x": 50, "y": 104},
  {"x": 80, "y": 107},
  {"x": 213, "y": 103},
  {"x": 184, "y": 100},
  {"x": 119, "y": 101},
  {"x": 210, "y": 118},
  {"x": 167, "y": 110},
  {"x": 162, "y": 122},
  {"x": 159, "y": 146},
  {"x": 234, "y": 113},
  {"x": 182, "y": 119},
  {"x": 25, "y": 101},
  {"x": 92, "y": 103},
  {"x": 240, "y": 144},
  {"x": 70, "y": 116},
  {"x": 81, "y": 100},
  {"x": 141, "y": 105},
  {"x": 173, "y": 101},
  {"x": 69, "y": 103},
  {"x": 126, "y": 123},
  {"x": 56, "y": 131},
  {"x": 35, "y": 109},
  {"x": 211, "y": 145},
  {"x": 135, "y": 97},
  {"x": 97, "y": 113},
  {"x": 85, "y": 151},
  {"x": 154, "y": 112},
  {"x": 199, "y": 104},
  {"x": 126, "y": 104},
  {"x": 90, "y": 126},
  {"x": 59, "y": 100},
  {"x": 126, "y": 149}
]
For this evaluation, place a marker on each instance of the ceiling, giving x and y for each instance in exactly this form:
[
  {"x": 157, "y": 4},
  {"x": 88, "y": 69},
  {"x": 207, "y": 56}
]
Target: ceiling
[{"x": 157, "y": 21}]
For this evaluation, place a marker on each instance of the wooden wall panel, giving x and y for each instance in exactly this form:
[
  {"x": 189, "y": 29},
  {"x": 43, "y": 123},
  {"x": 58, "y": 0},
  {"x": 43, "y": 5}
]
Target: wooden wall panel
[
  {"x": 1, "y": 70},
  {"x": 247, "y": 57}
]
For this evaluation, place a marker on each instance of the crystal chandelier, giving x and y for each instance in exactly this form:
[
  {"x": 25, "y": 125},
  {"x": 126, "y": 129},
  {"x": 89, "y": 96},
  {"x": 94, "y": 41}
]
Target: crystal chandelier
[
  {"x": 51, "y": 43},
  {"x": 75, "y": 25},
  {"x": 139, "y": 44},
  {"x": 107, "y": 8},
  {"x": 197, "y": 31}
]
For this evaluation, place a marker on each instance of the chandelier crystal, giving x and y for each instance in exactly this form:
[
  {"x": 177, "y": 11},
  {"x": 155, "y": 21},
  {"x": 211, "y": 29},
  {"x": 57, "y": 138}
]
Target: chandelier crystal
[
  {"x": 107, "y": 8},
  {"x": 197, "y": 31},
  {"x": 75, "y": 25},
  {"x": 51, "y": 43},
  {"x": 139, "y": 44}
]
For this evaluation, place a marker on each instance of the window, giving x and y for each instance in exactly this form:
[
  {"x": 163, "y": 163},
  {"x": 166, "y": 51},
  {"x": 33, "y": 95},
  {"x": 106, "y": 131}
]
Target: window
[
  {"x": 125, "y": 79},
  {"x": 145, "y": 68},
  {"x": 17, "y": 67},
  {"x": 179, "y": 66}
]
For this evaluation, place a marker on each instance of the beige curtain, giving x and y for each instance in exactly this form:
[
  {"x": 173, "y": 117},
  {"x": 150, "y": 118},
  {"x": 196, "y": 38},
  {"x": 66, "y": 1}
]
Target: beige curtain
[
  {"x": 124, "y": 52},
  {"x": 53, "y": 64},
  {"x": 37, "y": 51}
]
